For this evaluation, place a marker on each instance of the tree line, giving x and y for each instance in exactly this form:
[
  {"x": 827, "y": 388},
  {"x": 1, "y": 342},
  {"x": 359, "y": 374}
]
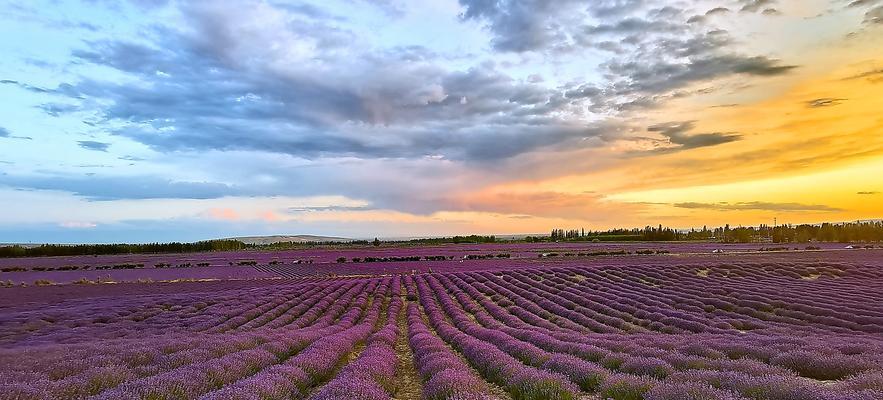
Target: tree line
[
  {"x": 456, "y": 240},
  {"x": 870, "y": 231},
  {"x": 120, "y": 248}
]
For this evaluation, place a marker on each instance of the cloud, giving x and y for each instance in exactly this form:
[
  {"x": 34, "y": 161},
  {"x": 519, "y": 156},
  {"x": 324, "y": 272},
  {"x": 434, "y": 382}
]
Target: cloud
[
  {"x": 4, "y": 133},
  {"x": 824, "y": 102},
  {"x": 78, "y": 225},
  {"x": 863, "y": 3},
  {"x": 757, "y": 205},
  {"x": 874, "y": 16},
  {"x": 25, "y": 86},
  {"x": 227, "y": 214},
  {"x": 321, "y": 93},
  {"x": 93, "y": 145},
  {"x": 656, "y": 51},
  {"x": 652, "y": 72},
  {"x": 517, "y": 26},
  {"x": 308, "y": 100},
  {"x": 874, "y": 13},
  {"x": 756, "y": 5},
  {"x": 676, "y": 132},
  {"x": 634, "y": 25},
  {"x": 304, "y": 209},
  {"x": 877, "y": 73},
  {"x": 101, "y": 188},
  {"x": 58, "y": 109}
]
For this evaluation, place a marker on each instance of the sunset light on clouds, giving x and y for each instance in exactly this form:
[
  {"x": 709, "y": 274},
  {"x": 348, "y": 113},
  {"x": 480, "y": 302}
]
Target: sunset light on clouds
[{"x": 194, "y": 120}]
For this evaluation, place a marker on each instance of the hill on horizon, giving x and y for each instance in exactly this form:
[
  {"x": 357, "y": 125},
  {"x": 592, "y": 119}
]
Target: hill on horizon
[{"x": 271, "y": 239}]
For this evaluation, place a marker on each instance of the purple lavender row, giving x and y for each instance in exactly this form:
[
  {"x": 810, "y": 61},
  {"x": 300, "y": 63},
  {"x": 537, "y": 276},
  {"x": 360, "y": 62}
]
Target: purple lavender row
[
  {"x": 241, "y": 318},
  {"x": 297, "y": 375},
  {"x": 856, "y": 364},
  {"x": 690, "y": 286},
  {"x": 531, "y": 305},
  {"x": 277, "y": 311},
  {"x": 677, "y": 318},
  {"x": 583, "y": 373},
  {"x": 589, "y": 376},
  {"x": 194, "y": 379},
  {"x": 85, "y": 335},
  {"x": 144, "y": 359},
  {"x": 761, "y": 285},
  {"x": 190, "y": 362},
  {"x": 522, "y": 381},
  {"x": 828, "y": 365},
  {"x": 136, "y": 316},
  {"x": 371, "y": 375},
  {"x": 446, "y": 376},
  {"x": 566, "y": 297}
]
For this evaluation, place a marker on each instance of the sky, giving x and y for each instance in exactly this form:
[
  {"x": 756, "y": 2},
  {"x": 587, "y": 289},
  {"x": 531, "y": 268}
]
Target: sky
[{"x": 160, "y": 120}]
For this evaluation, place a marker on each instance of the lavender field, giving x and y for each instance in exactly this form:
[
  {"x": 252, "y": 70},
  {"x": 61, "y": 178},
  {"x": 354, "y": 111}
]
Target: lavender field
[
  {"x": 684, "y": 323},
  {"x": 310, "y": 262}
]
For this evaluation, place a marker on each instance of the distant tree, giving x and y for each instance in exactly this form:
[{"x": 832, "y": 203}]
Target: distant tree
[
  {"x": 376, "y": 242},
  {"x": 867, "y": 231}
]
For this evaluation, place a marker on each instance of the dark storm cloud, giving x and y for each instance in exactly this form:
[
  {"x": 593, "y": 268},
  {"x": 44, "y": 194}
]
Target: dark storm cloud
[
  {"x": 677, "y": 134},
  {"x": 758, "y": 205},
  {"x": 93, "y": 145}
]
